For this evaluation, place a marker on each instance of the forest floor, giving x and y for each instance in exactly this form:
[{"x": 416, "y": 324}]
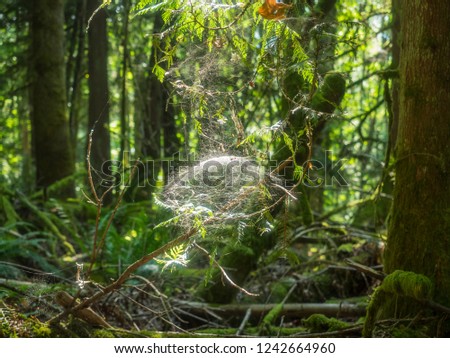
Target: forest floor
[
  {"x": 317, "y": 298},
  {"x": 315, "y": 282}
]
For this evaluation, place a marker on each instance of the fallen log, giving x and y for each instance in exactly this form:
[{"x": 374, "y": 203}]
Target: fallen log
[{"x": 300, "y": 310}]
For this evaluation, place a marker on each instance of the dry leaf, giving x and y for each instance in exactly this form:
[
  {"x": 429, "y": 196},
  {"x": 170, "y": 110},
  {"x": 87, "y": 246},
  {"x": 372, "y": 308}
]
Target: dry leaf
[{"x": 273, "y": 10}]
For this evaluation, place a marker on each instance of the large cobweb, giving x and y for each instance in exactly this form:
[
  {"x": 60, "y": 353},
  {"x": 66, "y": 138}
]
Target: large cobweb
[
  {"x": 225, "y": 182},
  {"x": 224, "y": 186}
]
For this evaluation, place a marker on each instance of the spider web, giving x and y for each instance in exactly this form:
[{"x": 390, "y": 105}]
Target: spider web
[{"x": 222, "y": 178}]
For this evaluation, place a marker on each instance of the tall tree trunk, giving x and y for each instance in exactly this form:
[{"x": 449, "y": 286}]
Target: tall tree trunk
[
  {"x": 419, "y": 232},
  {"x": 155, "y": 132},
  {"x": 74, "y": 93},
  {"x": 53, "y": 153},
  {"x": 396, "y": 26},
  {"x": 98, "y": 94},
  {"x": 171, "y": 141},
  {"x": 155, "y": 105},
  {"x": 124, "y": 142}
]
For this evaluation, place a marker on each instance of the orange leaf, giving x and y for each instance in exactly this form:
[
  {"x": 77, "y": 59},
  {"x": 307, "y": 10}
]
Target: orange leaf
[{"x": 273, "y": 10}]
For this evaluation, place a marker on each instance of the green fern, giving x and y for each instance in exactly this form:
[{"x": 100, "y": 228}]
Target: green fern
[{"x": 175, "y": 257}]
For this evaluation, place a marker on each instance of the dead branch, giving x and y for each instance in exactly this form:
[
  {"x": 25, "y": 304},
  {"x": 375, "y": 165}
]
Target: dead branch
[
  {"x": 86, "y": 314},
  {"x": 248, "y": 313},
  {"x": 365, "y": 269},
  {"x": 224, "y": 273}
]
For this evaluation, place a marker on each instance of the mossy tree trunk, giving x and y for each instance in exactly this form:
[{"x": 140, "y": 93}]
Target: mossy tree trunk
[
  {"x": 419, "y": 232},
  {"x": 98, "y": 114},
  {"x": 50, "y": 126}
]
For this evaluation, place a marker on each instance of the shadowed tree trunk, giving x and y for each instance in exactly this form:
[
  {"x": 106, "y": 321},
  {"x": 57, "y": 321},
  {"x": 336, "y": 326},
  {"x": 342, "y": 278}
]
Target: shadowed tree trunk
[
  {"x": 98, "y": 94},
  {"x": 155, "y": 130},
  {"x": 78, "y": 55},
  {"x": 154, "y": 107},
  {"x": 396, "y": 26},
  {"x": 419, "y": 231},
  {"x": 50, "y": 126},
  {"x": 124, "y": 140}
]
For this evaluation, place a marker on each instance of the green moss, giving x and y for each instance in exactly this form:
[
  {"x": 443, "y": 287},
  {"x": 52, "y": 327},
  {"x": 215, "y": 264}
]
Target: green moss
[
  {"x": 330, "y": 94},
  {"x": 102, "y": 333},
  {"x": 289, "y": 331},
  {"x": 278, "y": 291},
  {"x": 19, "y": 326},
  {"x": 399, "y": 283},
  {"x": 5, "y": 330},
  {"x": 252, "y": 331},
  {"x": 273, "y": 314},
  {"x": 372, "y": 310},
  {"x": 218, "y": 331},
  {"x": 321, "y": 323},
  {"x": 41, "y": 330},
  {"x": 269, "y": 319},
  {"x": 154, "y": 334},
  {"x": 410, "y": 284},
  {"x": 406, "y": 332}
]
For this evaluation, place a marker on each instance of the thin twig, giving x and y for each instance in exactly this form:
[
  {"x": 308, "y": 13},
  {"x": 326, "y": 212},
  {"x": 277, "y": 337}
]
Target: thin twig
[
  {"x": 116, "y": 207},
  {"x": 105, "y": 3},
  {"x": 285, "y": 190},
  {"x": 89, "y": 167},
  {"x": 97, "y": 201},
  {"x": 365, "y": 269},
  {"x": 247, "y": 316},
  {"x": 224, "y": 272},
  {"x": 159, "y": 314}
]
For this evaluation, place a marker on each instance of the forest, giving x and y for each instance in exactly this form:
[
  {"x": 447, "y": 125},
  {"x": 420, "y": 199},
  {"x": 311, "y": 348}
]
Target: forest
[{"x": 225, "y": 168}]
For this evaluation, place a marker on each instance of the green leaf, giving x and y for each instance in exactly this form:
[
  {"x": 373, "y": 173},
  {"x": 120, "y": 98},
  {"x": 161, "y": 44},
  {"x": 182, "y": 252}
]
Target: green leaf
[
  {"x": 288, "y": 142},
  {"x": 159, "y": 72}
]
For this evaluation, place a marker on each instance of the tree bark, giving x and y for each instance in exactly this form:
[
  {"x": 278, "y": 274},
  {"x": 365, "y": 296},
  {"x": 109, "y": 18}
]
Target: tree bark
[
  {"x": 78, "y": 67},
  {"x": 396, "y": 26},
  {"x": 124, "y": 141},
  {"x": 98, "y": 93},
  {"x": 52, "y": 151},
  {"x": 419, "y": 231},
  {"x": 155, "y": 129}
]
